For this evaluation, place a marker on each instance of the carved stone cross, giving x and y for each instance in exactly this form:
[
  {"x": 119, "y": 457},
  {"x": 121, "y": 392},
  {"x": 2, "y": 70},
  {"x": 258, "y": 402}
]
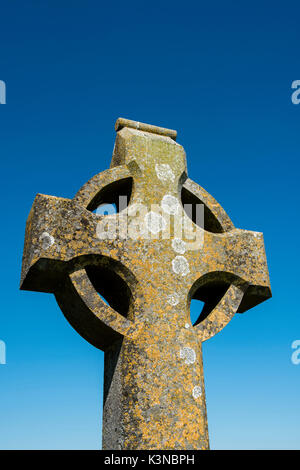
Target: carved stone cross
[{"x": 148, "y": 260}]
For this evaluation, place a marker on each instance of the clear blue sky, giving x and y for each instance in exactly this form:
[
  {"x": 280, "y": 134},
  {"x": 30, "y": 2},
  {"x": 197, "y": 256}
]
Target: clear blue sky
[{"x": 218, "y": 72}]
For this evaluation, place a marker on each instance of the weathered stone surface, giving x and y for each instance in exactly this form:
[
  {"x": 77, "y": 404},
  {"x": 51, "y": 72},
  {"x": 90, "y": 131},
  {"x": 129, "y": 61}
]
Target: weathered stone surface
[{"x": 154, "y": 395}]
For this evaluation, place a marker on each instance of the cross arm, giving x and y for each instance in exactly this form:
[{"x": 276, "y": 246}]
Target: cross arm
[
  {"x": 230, "y": 276},
  {"x": 236, "y": 254},
  {"x": 60, "y": 241},
  {"x": 52, "y": 237},
  {"x": 58, "y": 233}
]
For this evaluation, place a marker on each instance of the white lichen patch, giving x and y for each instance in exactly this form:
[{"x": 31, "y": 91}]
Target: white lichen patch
[
  {"x": 47, "y": 240},
  {"x": 188, "y": 354},
  {"x": 187, "y": 325},
  {"x": 197, "y": 392},
  {"x": 155, "y": 222},
  {"x": 164, "y": 172},
  {"x": 179, "y": 245},
  {"x": 173, "y": 299},
  {"x": 180, "y": 265},
  {"x": 170, "y": 204}
]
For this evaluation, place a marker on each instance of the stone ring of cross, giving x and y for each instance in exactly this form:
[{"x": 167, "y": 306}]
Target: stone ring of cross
[{"x": 147, "y": 260}]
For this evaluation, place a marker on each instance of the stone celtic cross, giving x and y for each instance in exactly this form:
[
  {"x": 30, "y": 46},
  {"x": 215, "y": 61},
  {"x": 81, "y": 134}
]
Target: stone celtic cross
[{"x": 147, "y": 260}]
